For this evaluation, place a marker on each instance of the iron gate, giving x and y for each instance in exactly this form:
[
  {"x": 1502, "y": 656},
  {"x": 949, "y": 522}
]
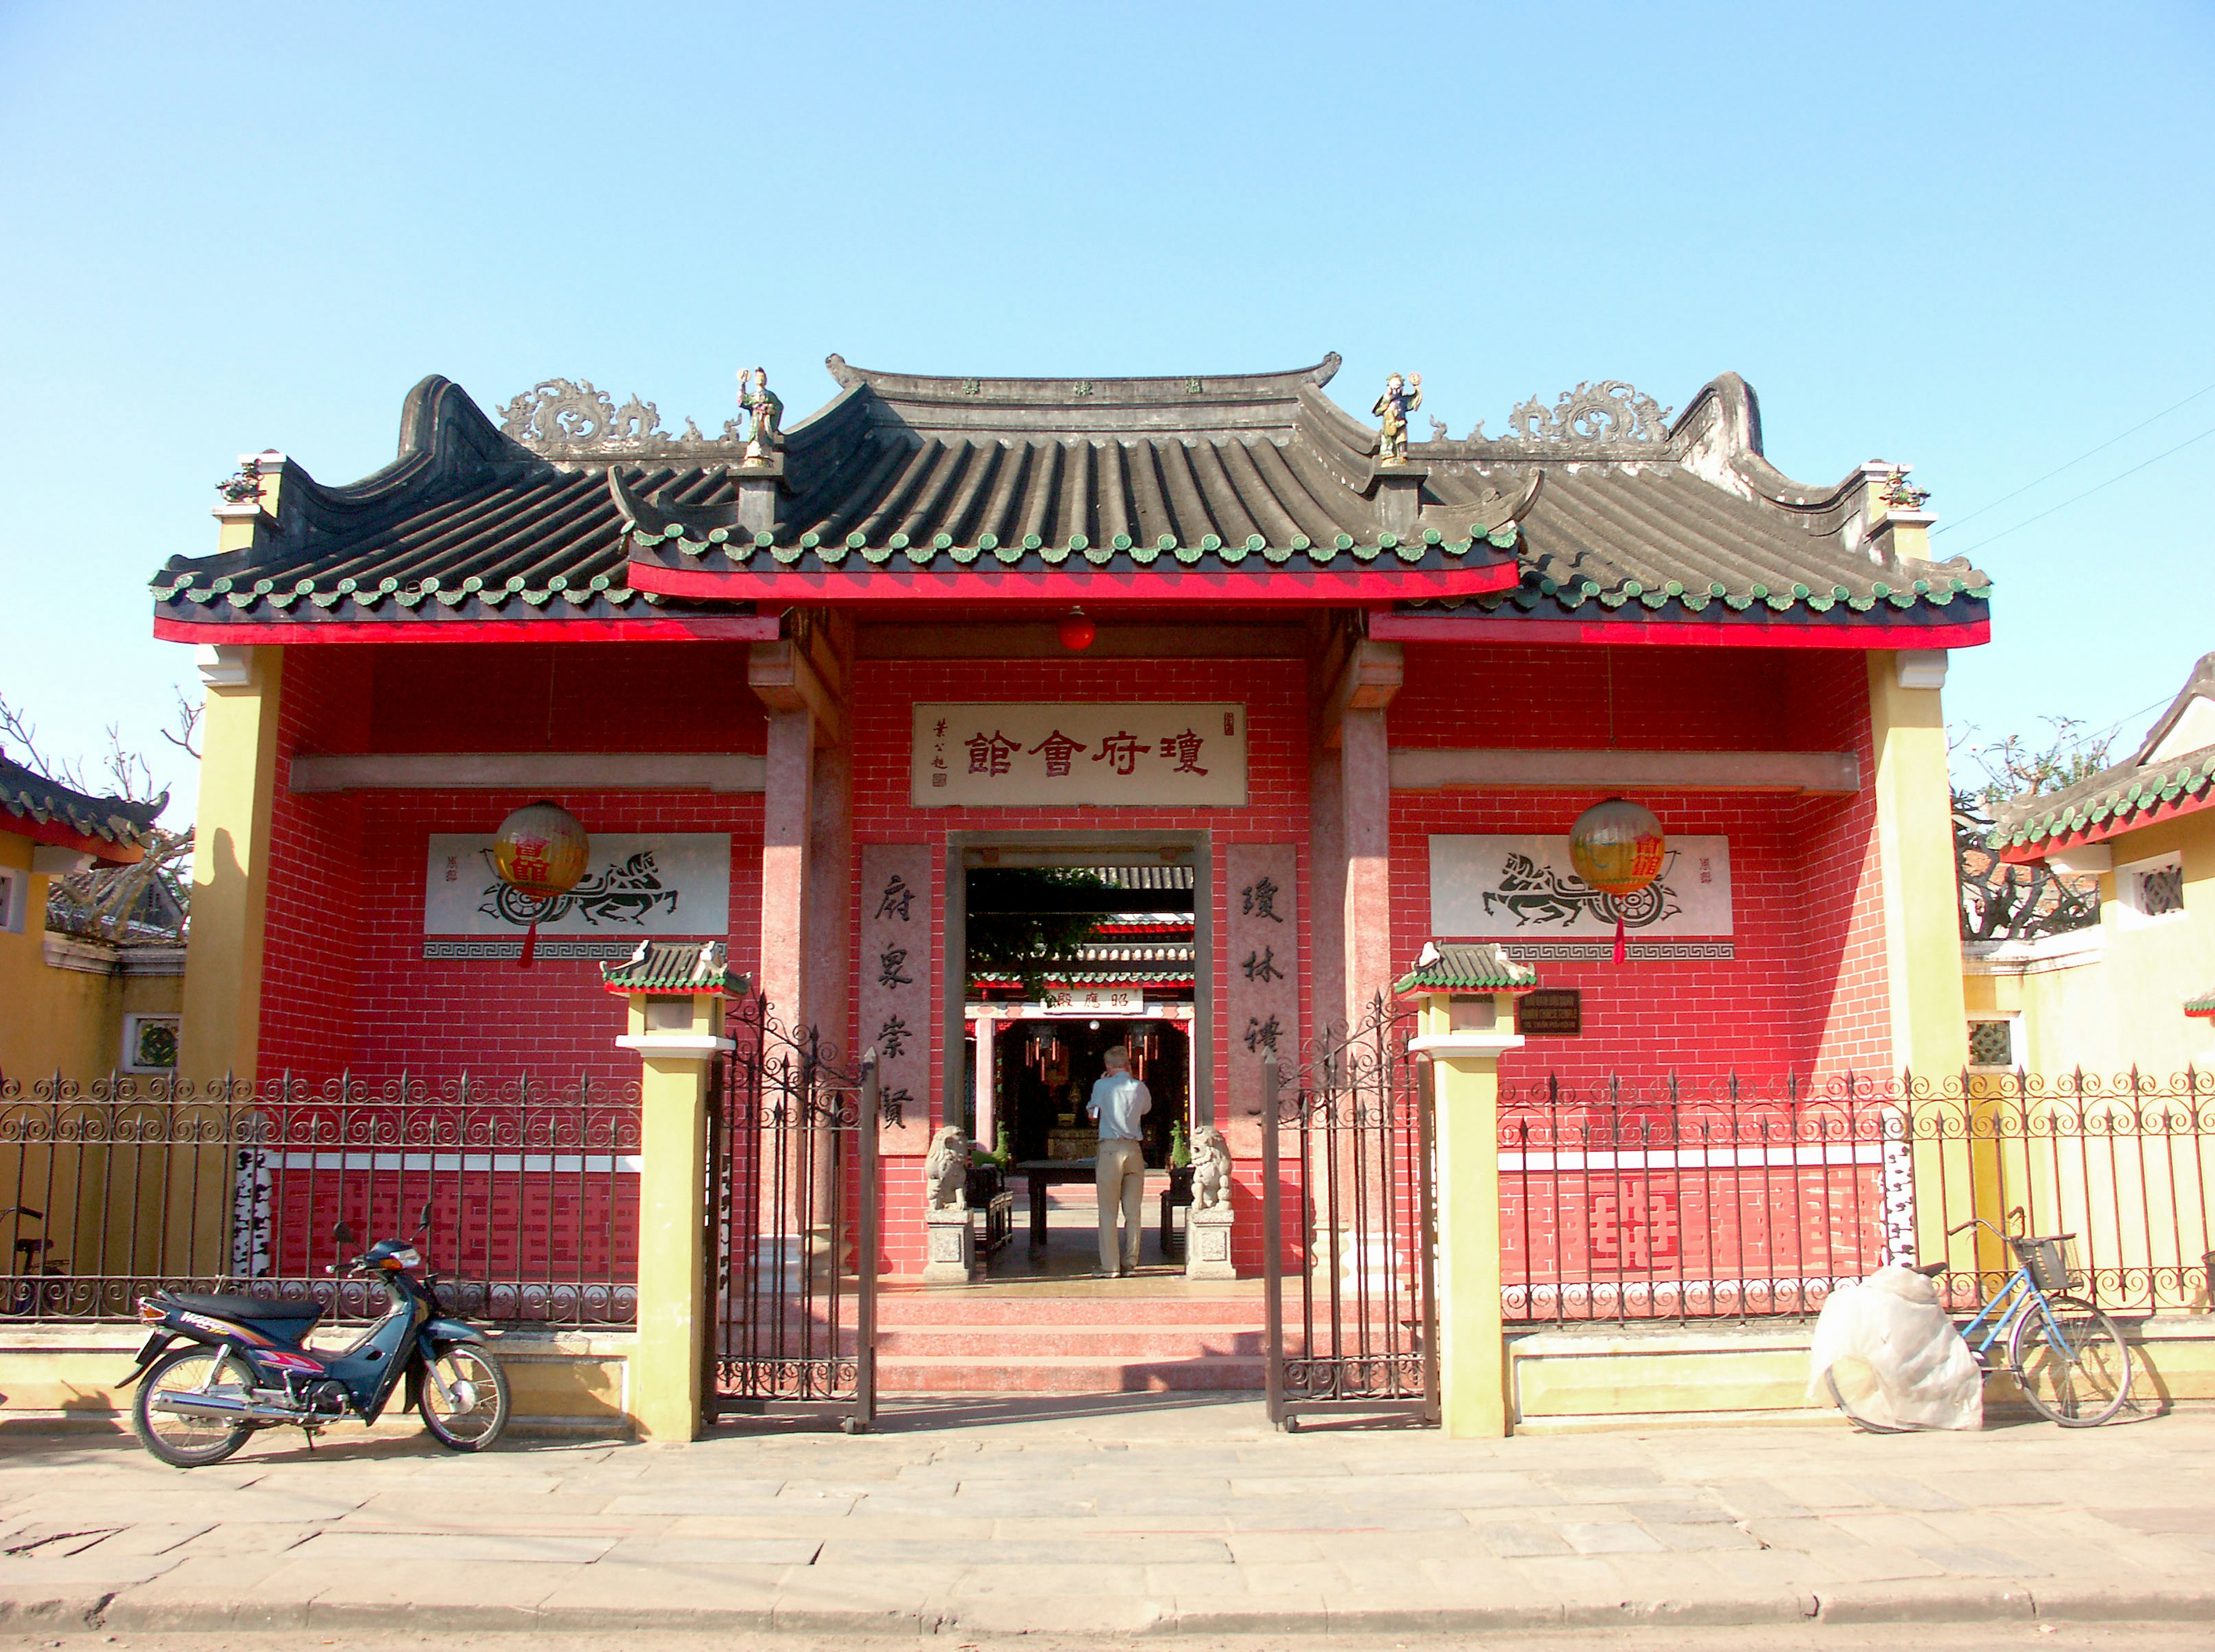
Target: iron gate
[
  {"x": 1347, "y": 1138},
  {"x": 792, "y": 1228}
]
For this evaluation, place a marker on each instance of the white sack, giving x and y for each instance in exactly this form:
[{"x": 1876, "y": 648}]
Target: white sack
[{"x": 1926, "y": 1378}]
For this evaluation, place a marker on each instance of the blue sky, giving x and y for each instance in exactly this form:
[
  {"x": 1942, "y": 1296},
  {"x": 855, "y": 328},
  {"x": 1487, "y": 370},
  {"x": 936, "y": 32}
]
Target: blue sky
[{"x": 1975, "y": 238}]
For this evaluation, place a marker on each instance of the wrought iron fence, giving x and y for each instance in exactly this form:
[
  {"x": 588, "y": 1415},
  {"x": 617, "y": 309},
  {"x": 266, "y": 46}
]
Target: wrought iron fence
[
  {"x": 126, "y": 1185},
  {"x": 792, "y": 1228},
  {"x": 1346, "y": 1139},
  {"x": 1630, "y": 1200}
]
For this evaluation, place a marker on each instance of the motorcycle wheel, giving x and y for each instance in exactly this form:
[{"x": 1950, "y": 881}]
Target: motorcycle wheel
[
  {"x": 477, "y": 1416},
  {"x": 185, "y": 1442}
]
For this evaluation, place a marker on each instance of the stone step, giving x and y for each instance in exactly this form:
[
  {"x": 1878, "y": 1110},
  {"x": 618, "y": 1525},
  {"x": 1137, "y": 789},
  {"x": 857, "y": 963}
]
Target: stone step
[
  {"x": 1064, "y": 1374},
  {"x": 1134, "y": 1343},
  {"x": 957, "y": 1306}
]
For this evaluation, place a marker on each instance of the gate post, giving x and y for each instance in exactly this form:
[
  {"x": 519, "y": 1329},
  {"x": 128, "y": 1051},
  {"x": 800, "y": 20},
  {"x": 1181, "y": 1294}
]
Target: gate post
[
  {"x": 676, "y": 991},
  {"x": 1463, "y": 1033}
]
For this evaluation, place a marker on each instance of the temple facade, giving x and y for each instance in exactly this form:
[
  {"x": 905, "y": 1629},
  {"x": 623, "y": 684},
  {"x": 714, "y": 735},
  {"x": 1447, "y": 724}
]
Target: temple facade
[{"x": 1180, "y": 686}]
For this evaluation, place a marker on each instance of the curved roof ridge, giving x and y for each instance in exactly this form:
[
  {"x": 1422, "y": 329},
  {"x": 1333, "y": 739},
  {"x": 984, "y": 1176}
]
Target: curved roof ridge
[{"x": 1170, "y": 389}]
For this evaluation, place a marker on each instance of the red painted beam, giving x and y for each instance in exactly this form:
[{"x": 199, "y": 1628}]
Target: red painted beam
[
  {"x": 648, "y": 628},
  {"x": 1283, "y": 586},
  {"x": 1386, "y": 627},
  {"x": 2028, "y": 854},
  {"x": 56, "y": 835}
]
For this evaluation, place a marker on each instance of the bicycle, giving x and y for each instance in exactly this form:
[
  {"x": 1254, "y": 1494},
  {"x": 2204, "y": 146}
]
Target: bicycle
[
  {"x": 2066, "y": 1355},
  {"x": 35, "y": 1262}
]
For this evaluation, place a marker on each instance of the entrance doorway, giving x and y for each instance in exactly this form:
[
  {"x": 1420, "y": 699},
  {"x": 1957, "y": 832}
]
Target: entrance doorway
[{"x": 1065, "y": 947}]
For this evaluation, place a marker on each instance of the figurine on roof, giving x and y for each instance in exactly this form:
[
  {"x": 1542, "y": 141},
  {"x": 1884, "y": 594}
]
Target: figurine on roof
[
  {"x": 1400, "y": 399},
  {"x": 767, "y": 407}
]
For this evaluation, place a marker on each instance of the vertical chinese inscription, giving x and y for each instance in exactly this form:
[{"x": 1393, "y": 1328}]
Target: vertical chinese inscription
[
  {"x": 896, "y": 917},
  {"x": 1262, "y": 953}
]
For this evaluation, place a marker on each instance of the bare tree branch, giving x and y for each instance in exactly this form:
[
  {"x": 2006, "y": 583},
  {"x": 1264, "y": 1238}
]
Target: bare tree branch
[{"x": 185, "y": 735}]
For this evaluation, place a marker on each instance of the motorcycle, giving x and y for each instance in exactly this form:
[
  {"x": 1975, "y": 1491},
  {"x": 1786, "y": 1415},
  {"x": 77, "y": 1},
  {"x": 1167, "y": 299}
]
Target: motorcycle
[{"x": 246, "y": 1368}]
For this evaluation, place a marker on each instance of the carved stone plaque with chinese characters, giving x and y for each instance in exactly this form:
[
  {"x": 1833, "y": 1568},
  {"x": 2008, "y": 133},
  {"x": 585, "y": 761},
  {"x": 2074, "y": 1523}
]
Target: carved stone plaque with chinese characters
[
  {"x": 1261, "y": 955},
  {"x": 896, "y": 901},
  {"x": 1101, "y": 755}
]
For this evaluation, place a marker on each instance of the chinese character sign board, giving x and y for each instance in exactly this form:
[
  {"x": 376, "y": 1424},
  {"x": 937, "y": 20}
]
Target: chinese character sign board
[
  {"x": 896, "y": 1018},
  {"x": 1099, "y": 1000},
  {"x": 1524, "y": 889},
  {"x": 1261, "y": 957},
  {"x": 636, "y": 884},
  {"x": 1099, "y": 755}
]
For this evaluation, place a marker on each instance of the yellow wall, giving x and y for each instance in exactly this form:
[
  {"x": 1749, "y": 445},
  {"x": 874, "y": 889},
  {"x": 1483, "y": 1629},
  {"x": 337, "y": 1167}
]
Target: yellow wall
[
  {"x": 2125, "y": 1008},
  {"x": 64, "y": 1021}
]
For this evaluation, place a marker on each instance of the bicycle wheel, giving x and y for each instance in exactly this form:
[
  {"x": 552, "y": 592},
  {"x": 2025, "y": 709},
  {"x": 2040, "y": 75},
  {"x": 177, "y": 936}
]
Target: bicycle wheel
[
  {"x": 2079, "y": 1378},
  {"x": 1856, "y": 1396}
]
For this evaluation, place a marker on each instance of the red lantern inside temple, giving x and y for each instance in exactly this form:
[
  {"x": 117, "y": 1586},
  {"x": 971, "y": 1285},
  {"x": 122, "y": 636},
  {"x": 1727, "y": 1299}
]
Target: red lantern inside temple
[
  {"x": 1078, "y": 631},
  {"x": 540, "y": 851},
  {"x": 1617, "y": 848}
]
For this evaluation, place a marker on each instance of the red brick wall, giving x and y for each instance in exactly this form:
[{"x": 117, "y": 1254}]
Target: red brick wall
[
  {"x": 1802, "y": 871},
  {"x": 345, "y": 985}
]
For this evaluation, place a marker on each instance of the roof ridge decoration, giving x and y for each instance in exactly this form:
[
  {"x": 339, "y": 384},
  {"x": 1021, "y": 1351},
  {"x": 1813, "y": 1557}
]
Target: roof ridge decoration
[
  {"x": 563, "y": 419},
  {"x": 1607, "y": 414},
  {"x": 29, "y": 799}
]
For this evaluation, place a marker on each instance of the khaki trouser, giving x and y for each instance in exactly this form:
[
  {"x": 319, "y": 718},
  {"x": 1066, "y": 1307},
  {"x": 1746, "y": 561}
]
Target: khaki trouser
[{"x": 1121, "y": 1170}]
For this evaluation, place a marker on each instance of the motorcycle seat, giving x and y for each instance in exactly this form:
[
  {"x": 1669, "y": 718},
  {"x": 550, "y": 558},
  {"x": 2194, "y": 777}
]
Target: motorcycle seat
[{"x": 242, "y": 1306}]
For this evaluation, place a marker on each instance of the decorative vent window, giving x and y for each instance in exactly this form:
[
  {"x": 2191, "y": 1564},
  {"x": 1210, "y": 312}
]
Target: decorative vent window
[
  {"x": 14, "y": 893},
  {"x": 2151, "y": 889},
  {"x": 1991, "y": 1044},
  {"x": 2162, "y": 891},
  {"x": 150, "y": 1043}
]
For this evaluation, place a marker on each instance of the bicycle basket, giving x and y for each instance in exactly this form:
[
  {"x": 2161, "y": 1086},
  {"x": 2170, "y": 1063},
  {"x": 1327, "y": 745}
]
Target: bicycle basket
[{"x": 2051, "y": 1262}]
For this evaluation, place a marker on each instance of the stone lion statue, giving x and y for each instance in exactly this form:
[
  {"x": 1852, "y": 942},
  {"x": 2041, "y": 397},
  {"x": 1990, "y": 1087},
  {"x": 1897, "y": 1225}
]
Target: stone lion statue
[
  {"x": 945, "y": 1170},
  {"x": 1211, "y": 1168}
]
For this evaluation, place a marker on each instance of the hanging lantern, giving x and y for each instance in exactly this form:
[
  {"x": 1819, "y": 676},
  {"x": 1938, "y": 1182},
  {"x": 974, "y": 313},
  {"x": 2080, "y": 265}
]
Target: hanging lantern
[
  {"x": 1078, "y": 631},
  {"x": 1617, "y": 847},
  {"x": 540, "y": 852}
]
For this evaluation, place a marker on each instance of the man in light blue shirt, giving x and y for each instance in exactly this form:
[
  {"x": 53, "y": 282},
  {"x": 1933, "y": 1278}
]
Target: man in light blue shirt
[{"x": 1119, "y": 1102}]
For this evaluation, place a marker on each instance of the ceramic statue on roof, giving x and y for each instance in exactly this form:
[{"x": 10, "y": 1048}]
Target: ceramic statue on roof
[
  {"x": 1401, "y": 398},
  {"x": 756, "y": 397}
]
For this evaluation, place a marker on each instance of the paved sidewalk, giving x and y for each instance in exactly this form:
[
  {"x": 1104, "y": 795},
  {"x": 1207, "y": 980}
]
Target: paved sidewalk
[{"x": 1104, "y": 1517}]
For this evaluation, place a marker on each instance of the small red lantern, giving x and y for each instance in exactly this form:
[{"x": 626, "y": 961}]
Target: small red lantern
[
  {"x": 540, "y": 851},
  {"x": 1078, "y": 631},
  {"x": 1617, "y": 848}
]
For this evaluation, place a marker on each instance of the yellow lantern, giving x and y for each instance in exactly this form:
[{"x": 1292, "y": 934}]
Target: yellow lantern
[
  {"x": 1617, "y": 848},
  {"x": 540, "y": 851}
]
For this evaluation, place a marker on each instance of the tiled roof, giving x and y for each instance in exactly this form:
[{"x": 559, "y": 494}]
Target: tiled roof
[
  {"x": 903, "y": 484},
  {"x": 674, "y": 967},
  {"x": 42, "y": 808},
  {"x": 1480, "y": 965},
  {"x": 2155, "y": 784},
  {"x": 2202, "y": 1005}
]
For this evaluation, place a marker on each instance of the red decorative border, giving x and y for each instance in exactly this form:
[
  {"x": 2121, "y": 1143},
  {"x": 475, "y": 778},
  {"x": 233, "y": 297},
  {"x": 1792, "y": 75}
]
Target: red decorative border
[
  {"x": 735, "y": 628},
  {"x": 977, "y": 583},
  {"x": 1693, "y": 633},
  {"x": 2027, "y": 854}
]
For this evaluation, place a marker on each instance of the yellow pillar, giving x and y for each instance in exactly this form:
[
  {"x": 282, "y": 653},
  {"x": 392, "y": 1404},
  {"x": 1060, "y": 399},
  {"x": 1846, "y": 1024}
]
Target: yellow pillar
[
  {"x": 1915, "y": 851},
  {"x": 222, "y": 1016},
  {"x": 678, "y": 1037},
  {"x": 1922, "y": 939},
  {"x": 1464, "y": 1035}
]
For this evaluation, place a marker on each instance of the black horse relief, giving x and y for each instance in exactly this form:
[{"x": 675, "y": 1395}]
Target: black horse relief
[
  {"x": 1535, "y": 894},
  {"x": 625, "y": 893}
]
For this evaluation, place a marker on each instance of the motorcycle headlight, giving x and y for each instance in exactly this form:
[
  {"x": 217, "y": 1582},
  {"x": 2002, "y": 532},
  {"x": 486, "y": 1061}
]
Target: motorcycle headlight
[{"x": 408, "y": 1258}]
